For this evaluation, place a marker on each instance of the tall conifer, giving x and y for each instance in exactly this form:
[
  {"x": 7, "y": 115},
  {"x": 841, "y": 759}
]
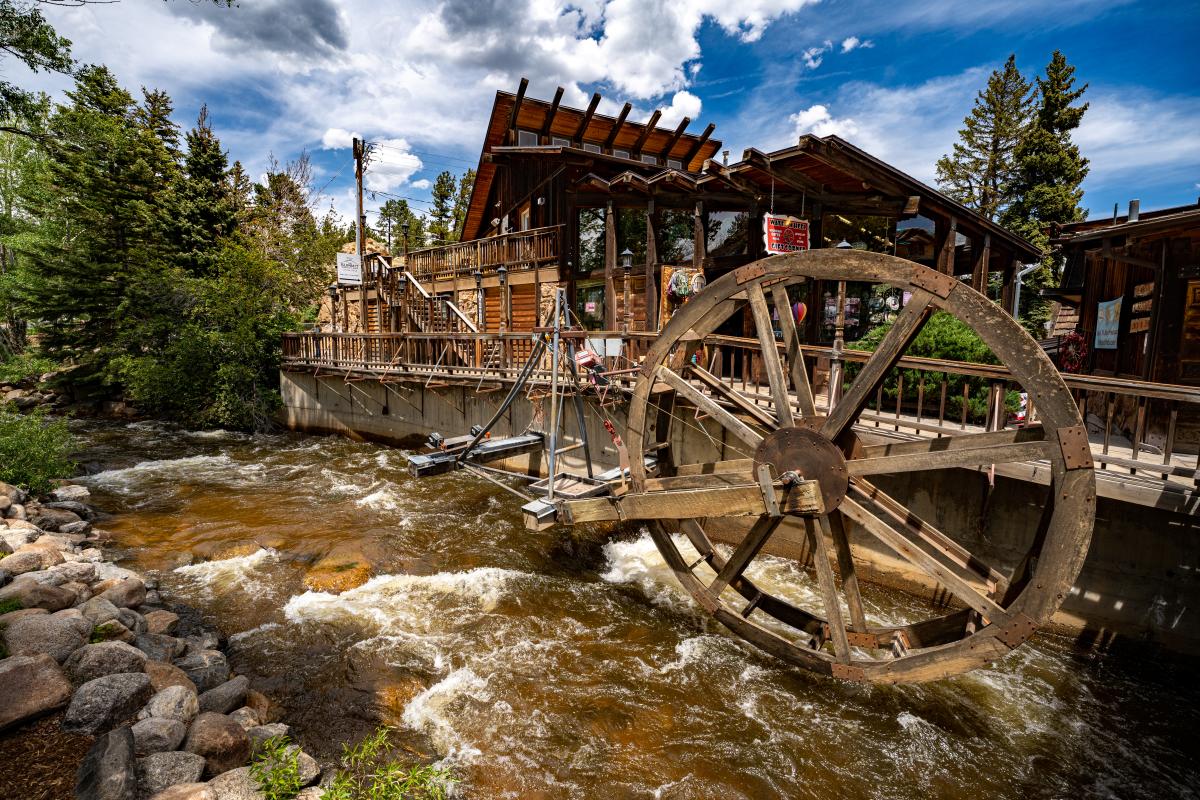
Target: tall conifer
[{"x": 441, "y": 212}]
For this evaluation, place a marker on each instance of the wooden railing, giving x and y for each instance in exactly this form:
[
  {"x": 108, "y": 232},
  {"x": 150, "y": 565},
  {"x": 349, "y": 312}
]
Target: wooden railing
[
  {"x": 523, "y": 249},
  {"x": 1136, "y": 427}
]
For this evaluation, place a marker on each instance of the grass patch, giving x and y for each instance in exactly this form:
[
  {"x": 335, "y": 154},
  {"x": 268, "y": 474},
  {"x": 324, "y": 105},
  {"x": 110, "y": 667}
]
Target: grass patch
[
  {"x": 34, "y": 450},
  {"x": 11, "y": 604},
  {"x": 276, "y": 769}
]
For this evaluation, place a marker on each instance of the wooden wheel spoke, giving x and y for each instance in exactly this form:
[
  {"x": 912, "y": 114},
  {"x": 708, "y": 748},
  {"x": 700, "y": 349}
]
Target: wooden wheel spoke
[
  {"x": 818, "y": 532},
  {"x": 897, "y": 340},
  {"x": 841, "y": 542},
  {"x": 919, "y": 557},
  {"x": 744, "y": 553},
  {"x": 709, "y": 406},
  {"x": 770, "y": 356},
  {"x": 731, "y": 395},
  {"x": 795, "y": 355}
]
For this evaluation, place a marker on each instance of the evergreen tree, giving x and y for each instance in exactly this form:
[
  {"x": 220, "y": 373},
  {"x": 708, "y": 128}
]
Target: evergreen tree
[
  {"x": 154, "y": 116},
  {"x": 441, "y": 212},
  {"x": 982, "y": 168},
  {"x": 20, "y": 161},
  {"x": 462, "y": 200},
  {"x": 208, "y": 208},
  {"x": 397, "y": 212},
  {"x": 26, "y": 34},
  {"x": 1050, "y": 171}
]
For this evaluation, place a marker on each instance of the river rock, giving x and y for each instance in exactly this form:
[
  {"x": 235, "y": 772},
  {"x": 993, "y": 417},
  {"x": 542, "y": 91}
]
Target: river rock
[
  {"x": 160, "y": 771},
  {"x": 206, "y": 668},
  {"x": 236, "y": 784},
  {"x": 160, "y": 647},
  {"x": 76, "y": 529},
  {"x": 261, "y": 705},
  {"x": 106, "y": 658},
  {"x": 263, "y": 732},
  {"x": 132, "y": 620},
  {"x": 112, "y": 631},
  {"x": 311, "y": 793},
  {"x": 220, "y": 740},
  {"x": 187, "y": 791},
  {"x": 13, "y": 616},
  {"x": 246, "y": 717},
  {"x": 29, "y": 687},
  {"x": 13, "y": 493},
  {"x": 21, "y": 562},
  {"x": 338, "y": 571},
  {"x": 307, "y": 768},
  {"x": 75, "y": 572},
  {"x": 106, "y": 571},
  {"x": 125, "y": 594},
  {"x": 34, "y": 594},
  {"x": 5, "y": 504},
  {"x": 174, "y": 702},
  {"x": 56, "y": 636},
  {"x": 207, "y": 640},
  {"x": 6, "y": 549},
  {"x": 16, "y": 511},
  {"x": 163, "y": 675},
  {"x": 49, "y": 519},
  {"x": 226, "y": 697},
  {"x": 99, "y": 610},
  {"x": 158, "y": 735},
  {"x": 72, "y": 493},
  {"x": 78, "y": 509},
  {"x": 104, "y": 703},
  {"x": 81, "y": 591},
  {"x": 108, "y": 771},
  {"x": 162, "y": 622}
]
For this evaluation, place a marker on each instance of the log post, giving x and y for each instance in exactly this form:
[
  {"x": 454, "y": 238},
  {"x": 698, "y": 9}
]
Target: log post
[
  {"x": 651, "y": 322},
  {"x": 610, "y": 268}
]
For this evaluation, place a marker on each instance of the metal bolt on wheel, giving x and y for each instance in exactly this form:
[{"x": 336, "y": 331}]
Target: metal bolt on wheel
[{"x": 788, "y": 461}]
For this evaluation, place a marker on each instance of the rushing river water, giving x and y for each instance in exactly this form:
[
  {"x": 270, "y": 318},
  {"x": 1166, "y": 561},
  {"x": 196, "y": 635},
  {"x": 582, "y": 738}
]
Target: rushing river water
[{"x": 548, "y": 665}]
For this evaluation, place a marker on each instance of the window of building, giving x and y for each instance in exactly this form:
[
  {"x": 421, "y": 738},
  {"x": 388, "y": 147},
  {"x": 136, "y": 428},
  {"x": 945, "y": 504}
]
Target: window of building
[
  {"x": 649, "y": 160},
  {"x": 591, "y": 240},
  {"x": 621, "y": 153},
  {"x": 527, "y": 139},
  {"x": 525, "y": 218},
  {"x": 591, "y": 147},
  {"x": 676, "y": 236},
  {"x": 560, "y": 141},
  {"x": 674, "y": 163},
  {"x": 726, "y": 233}
]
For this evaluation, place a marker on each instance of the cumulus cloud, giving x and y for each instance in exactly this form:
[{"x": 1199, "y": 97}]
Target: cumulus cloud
[
  {"x": 683, "y": 104},
  {"x": 338, "y": 138},
  {"x": 391, "y": 164},
  {"x": 854, "y": 43},
  {"x": 813, "y": 56},
  {"x": 817, "y": 120},
  {"x": 295, "y": 27},
  {"x": 421, "y": 184}
]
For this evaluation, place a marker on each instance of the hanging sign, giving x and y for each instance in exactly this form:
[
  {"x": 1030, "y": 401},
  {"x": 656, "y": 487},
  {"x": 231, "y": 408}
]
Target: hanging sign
[
  {"x": 784, "y": 234},
  {"x": 1108, "y": 319},
  {"x": 349, "y": 271}
]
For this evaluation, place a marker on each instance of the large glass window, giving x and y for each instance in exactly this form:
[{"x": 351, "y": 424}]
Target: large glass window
[
  {"x": 591, "y": 239},
  {"x": 676, "y": 236},
  {"x": 631, "y": 233},
  {"x": 727, "y": 233}
]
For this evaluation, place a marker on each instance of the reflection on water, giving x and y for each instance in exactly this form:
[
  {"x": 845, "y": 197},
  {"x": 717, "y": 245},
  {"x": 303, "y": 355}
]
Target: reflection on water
[{"x": 539, "y": 665}]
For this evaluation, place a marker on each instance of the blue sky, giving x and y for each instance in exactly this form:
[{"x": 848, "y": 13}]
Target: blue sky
[{"x": 285, "y": 76}]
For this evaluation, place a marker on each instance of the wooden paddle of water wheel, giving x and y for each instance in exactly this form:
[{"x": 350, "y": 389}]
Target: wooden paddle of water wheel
[{"x": 796, "y": 464}]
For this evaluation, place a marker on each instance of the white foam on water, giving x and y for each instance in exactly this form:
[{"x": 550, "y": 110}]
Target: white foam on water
[
  {"x": 639, "y": 563},
  {"x": 135, "y": 477},
  {"x": 432, "y": 713},
  {"x": 264, "y": 628},
  {"x": 384, "y": 498},
  {"x": 241, "y": 573}
]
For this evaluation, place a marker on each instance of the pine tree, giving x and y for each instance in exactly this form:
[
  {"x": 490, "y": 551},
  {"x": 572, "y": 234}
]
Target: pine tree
[
  {"x": 208, "y": 209},
  {"x": 982, "y": 168},
  {"x": 462, "y": 200},
  {"x": 441, "y": 212},
  {"x": 397, "y": 212},
  {"x": 1050, "y": 171}
]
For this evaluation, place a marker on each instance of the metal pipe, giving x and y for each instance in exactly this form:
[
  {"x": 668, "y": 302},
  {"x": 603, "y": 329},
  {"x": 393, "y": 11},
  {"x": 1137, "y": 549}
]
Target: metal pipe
[{"x": 1020, "y": 277}]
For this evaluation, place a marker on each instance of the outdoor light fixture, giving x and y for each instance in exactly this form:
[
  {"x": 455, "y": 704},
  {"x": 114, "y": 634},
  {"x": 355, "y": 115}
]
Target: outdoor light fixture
[
  {"x": 478, "y": 276},
  {"x": 844, "y": 245},
  {"x": 502, "y": 271},
  {"x": 627, "y": 259},
  {"x": 403, "y": 281}
]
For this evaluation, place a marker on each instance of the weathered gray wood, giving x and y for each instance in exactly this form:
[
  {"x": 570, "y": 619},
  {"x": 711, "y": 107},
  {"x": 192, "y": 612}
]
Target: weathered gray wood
[
  {"x": 718, "y": 500},
  {"x": 731, "y": 395},
  {"x": 709, "y": 406},
  {"x": 745, "y": 465},
  {"x": 795, "y": 356},
  {"x": 948, "y": 459},
  {"x": 962, "y": 441},
  {"x": 744, "y": 553},
  {"x": 841, "y": 543},
  {"x": 817, "y": 531},
  {"x": 770, "y": 356}
]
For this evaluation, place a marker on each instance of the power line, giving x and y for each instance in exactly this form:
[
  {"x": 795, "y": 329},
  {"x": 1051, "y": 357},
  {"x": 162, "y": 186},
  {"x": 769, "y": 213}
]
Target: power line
[{"x": 423, "y": 153}]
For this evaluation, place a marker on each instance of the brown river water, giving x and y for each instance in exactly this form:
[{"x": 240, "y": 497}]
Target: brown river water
[{"x": 561, "y": 665}]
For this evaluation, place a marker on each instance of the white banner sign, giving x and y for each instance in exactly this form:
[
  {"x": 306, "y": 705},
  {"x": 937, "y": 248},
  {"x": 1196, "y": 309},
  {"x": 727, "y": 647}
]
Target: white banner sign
[
  {"x": 348, "y": 269},
  {"x": 1108, "y": 320}
]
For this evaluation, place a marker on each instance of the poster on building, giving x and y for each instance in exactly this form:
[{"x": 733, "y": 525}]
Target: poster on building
[
  {"x": 784, "y": 234},
  {"x": 1108, "y": 320},
  {"x": 349, "y": 271}
]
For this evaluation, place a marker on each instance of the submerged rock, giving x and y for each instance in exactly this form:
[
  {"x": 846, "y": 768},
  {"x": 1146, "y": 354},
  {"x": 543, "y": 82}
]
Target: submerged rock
[
  {"x": 338, "y": 572},
  {"x": 108, "y": 771},
  {"x": 102, "y": 704},
  {"x": 29, "y": 687}
]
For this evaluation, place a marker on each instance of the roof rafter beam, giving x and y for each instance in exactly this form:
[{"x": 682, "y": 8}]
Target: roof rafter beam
[
  {"x": 587, "y": 118},
  {"x": 516, "y": 109},
  {"x": 683, "y": 123},
  {"x": 785, "y": 175},
  {"x": 616, "y": 128},
  {"x": 649, "y": 129},
  {"x": 552, "y": 112},
  {"x": 708, "y": 131},
  {"x": 830, "y": 155},
  {"x": 724, "y": 173}
]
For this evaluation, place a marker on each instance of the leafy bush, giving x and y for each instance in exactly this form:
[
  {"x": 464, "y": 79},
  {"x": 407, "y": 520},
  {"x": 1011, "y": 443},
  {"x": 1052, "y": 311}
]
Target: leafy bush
[
  {"x": 24, "y": 366},
  {"x": 276, "y": 769},
  {"x": 368, "y": 774},
  {"x": 34, "y": 450},
  {"x": 945, "y": 337}
]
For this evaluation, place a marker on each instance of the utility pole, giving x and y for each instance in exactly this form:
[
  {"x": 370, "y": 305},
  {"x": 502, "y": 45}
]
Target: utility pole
[{"x": 360, "y": 237}]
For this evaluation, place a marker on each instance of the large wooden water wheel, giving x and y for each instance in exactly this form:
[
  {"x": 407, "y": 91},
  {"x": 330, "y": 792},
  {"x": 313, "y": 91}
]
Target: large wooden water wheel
[{"x": 790, "y": 460}]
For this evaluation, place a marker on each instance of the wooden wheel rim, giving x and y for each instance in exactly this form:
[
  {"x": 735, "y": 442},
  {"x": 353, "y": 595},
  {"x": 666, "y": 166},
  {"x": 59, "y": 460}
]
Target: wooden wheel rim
[{"x": 1057, "y": 553}]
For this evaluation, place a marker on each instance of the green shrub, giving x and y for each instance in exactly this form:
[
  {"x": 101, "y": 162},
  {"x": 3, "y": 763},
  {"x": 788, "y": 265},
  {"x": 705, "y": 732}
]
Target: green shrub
[
  {"x": 276, "y": 769},
  {"x": 9, "y": 605},
  {"x": 367, "y": 773},
  {"x": 34, "y": 450},
  {"x": 24, "y": 366}
]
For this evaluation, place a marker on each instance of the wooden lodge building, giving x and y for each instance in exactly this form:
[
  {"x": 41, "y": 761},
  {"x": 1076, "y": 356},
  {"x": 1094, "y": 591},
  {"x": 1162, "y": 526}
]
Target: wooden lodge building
[
  {"x": 1131, "y": 287},
  {"x": 612, "y": 209}
]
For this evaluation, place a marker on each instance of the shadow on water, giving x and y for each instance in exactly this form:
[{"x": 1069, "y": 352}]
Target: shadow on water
[{"x": 570, "y": 663}]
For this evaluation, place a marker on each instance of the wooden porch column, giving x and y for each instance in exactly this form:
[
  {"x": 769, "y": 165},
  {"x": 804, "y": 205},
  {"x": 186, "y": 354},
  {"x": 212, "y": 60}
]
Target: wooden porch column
[
  {"x": 699, "y": 240},
  {"x": 945, "y": 254},
  {"x": 610, "y": 268},
  {"x": 979, "y": 275},
  {"x": 651, "y": 260}
]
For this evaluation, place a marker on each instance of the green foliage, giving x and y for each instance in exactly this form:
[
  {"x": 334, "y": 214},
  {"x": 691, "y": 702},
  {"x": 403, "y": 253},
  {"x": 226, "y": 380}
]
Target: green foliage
[
  {"x": 24, "y": 366},
  {"x": 397, "y": 213},
  {"x": 982, "y": 169},
  {"x": 276, "y": 769},
  {"x": 441, "y": 210},
  {"x": 25, "y": 34},
  {"x": 368, "y": 774},
  {"x": 944, "y": 337},
  {"x": 461, "y": 202},
  {"x": 34, "y": 450},
  {"x": 11, "y": 604}
]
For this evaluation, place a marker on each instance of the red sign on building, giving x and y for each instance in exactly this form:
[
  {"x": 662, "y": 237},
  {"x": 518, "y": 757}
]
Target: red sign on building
[{"x": 784, "y": 234}]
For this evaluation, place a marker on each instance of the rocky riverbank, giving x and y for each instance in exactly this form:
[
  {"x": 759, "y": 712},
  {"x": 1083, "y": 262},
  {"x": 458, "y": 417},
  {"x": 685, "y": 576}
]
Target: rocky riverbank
[{"x": 151, "y": 688}]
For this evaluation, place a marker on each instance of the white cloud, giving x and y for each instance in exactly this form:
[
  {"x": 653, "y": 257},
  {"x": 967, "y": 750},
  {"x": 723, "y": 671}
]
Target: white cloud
[
  {"x": 392, "y": 164},
  {"x": 338, "y": 138},
  {"x": 421, "y": 184},
  {"x": 683, "y": 104},
  {"x": 817, "y": 120},
  {"x": 813, "y": 56},
  {"x": 854, "y": 43}
]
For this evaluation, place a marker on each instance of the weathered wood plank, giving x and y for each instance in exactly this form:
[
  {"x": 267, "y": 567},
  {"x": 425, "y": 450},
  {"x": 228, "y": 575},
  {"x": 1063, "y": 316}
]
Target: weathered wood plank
[
  {"x": 709, "y": 406},
  {"x": 716, "y": 501},
  {"x": 745, "y": 465},
  {"x": 770, "y": 356},
  {"x": 731, "y": 395},
  {"x": 948, "y": 459},
  {"x": 795, "y": 355},
  {"x": 744, "y": 553},
  {"x": 817, "y": 531}
]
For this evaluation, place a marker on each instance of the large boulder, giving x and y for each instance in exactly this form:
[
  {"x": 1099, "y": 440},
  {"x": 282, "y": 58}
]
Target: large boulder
[
  {"x": 160, "y": 771},
  {"x": 158, "y": 735},
  {"x": 159, "y": 646},
  {"x": 261, "y": 733},
  {"x": 35, "y": 594},
  {"x": 112, "y": 631},
  {"x": 77, "y": 572},
  {"x": 97, "y": 660},
  {"x": 72, "y": 493},
  {"x": 13, "y": 493},
  {"x": 206, "y": 668},
  {"x": 236, "y": 784},
  {"x": 220, "y": 740},
  {"x": 108, "y": 771},
  {"x": 78, "y": 509},
  {"x": 226, "y": 697},
  {"x": 99, "y": 610},
  {"x": 173, "y": 702},
  {"x": 22, "y": 562},
  {"x": 56, "y": 636},
  {"x": 163, "y": 675},
  {"x": 128, "y": 593},
  {"x": 102, "y": 704},
  {"x": 29, "y": 687},
  {"x": 20, "y": 613},
  {"x": 132, "y": 620},
  {"x": 307, "y": 768},
  {"x": 49, "y": 519},
  {"x": 246, "y": 717},
  {"x": 187, "y": 791},
  {"x": 161, "y": 621}
]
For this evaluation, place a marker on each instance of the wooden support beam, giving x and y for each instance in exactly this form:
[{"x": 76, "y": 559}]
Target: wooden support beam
[
  {"x": 709, "y": 406},
  {"x": 636, "y": 150},
  {"x": 695, "y": 150},
  {"x": 723, "y": 173},
  {"x": 979, "y": 274},
  {"x": 512, "y": 119},
  {"x": 718, "y": 500},
  {"x": 651, "y": 287},
  {"x": 610, "y": 267},
  {"x": 616, "y": 128},
  {"x": 683, "y": 123},
  {"x": 581, "y": 131},
  {"x": 946, "y": 247},
  {"x": 558, "y": 94}
]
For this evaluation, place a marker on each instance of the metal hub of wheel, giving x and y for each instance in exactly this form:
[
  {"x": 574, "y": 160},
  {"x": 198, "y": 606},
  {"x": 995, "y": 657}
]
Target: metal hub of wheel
[{"x": 732, "y": 458}]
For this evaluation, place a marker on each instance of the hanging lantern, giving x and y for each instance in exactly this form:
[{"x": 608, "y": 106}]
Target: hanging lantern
[{"x": 801, "y": 311}]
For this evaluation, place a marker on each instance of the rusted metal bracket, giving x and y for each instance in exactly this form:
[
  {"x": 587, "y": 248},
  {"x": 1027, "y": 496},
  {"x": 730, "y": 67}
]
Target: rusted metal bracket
[
  {"x": 1076, "y": 450},
  {"x": 848, "y": 672},
  {"x": 860, "y": 639},
  {"x": 1018, "y": 629},
  {"x": 936, "y": 283},
  {"x": 749, "y": 273}
]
